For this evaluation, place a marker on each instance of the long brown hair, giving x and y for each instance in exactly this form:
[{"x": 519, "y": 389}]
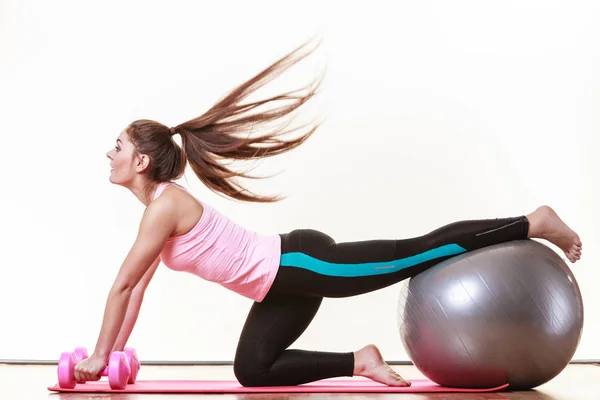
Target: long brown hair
[{"x": 223, "y": 133}]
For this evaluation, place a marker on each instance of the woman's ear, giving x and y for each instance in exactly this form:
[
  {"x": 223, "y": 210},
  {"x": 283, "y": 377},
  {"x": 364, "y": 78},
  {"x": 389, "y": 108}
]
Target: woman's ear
[{"x": 142, "y": 162}]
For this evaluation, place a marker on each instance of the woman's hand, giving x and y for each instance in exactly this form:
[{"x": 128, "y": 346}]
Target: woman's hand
[{"x": 89, "y": 369}]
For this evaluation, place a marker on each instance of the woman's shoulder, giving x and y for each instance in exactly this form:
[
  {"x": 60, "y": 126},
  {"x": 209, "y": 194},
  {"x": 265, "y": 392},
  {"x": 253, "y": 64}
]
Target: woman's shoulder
[{"x": 183, "y": 207}]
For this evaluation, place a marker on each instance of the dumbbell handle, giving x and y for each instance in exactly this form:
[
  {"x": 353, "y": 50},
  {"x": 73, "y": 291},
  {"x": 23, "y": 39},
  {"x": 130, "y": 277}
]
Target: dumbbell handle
[{"x": 103, "y": 373}]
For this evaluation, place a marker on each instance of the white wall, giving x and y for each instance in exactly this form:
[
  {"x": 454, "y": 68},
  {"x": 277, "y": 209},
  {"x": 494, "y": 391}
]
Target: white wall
[{"x": 436, "y": 111}]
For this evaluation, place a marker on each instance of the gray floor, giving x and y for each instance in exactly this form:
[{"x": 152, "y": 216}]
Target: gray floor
[{"x": 581, "y": 382}]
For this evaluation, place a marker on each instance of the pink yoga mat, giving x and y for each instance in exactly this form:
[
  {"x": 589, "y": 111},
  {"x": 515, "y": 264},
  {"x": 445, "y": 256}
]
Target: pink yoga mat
[{"x": 223, "y": 386}]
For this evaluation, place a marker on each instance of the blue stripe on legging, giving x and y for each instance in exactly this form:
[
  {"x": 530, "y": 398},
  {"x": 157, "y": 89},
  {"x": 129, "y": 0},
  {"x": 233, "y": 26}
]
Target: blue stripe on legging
[{"x": 301, "y": 260}]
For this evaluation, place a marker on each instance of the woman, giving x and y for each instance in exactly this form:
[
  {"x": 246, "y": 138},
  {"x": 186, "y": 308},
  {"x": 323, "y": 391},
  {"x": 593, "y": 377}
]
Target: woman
[{"x": 286, "y": 275}]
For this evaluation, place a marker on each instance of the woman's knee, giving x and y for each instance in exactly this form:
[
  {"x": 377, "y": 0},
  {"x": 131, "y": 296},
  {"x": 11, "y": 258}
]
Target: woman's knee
[
  {"x": 249, "y": 374},
  {"x": 244, "y": 374},
  {"x": 248, "y": 368}
]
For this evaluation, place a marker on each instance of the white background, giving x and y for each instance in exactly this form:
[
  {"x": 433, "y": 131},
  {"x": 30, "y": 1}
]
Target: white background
[{"x": 434, "y": 112}]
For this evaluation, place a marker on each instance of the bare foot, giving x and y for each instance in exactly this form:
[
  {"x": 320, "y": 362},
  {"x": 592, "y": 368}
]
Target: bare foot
[
  {"x": 369, "y": 363},
  {"x": 544, "y": 223}
]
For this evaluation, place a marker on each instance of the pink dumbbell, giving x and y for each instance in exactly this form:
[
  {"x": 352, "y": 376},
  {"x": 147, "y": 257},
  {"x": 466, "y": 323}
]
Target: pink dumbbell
[{"x": 123, "y": 367}]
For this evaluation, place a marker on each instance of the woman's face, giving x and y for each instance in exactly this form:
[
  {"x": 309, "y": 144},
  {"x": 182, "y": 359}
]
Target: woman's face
[{"x": 122, "y": 160}]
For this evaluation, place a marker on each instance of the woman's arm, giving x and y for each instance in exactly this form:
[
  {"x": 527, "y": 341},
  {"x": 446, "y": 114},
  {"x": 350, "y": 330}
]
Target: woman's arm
[
  {"x": 133, "y": 308},
  {"x": 157, "y": 225}
]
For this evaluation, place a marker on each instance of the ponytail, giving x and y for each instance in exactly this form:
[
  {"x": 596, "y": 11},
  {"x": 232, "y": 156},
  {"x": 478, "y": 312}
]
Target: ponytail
[{"x": 221, "y": 134}]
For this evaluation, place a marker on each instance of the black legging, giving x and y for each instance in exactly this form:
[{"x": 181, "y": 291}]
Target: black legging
[{"x": 313, "y": 266}]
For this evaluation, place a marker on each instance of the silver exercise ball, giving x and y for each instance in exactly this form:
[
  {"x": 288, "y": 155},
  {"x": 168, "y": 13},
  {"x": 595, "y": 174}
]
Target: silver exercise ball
[{"x": 508, "y": 313}]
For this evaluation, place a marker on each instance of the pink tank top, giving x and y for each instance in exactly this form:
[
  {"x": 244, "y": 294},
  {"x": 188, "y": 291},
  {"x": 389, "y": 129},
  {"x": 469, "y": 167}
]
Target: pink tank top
[{"x": 221, "y": 251}]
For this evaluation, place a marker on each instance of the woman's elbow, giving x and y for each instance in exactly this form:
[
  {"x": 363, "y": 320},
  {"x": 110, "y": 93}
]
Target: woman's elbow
[
  {"x": 122, "y": 288},
  {"x": 138, "y": 291}
]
